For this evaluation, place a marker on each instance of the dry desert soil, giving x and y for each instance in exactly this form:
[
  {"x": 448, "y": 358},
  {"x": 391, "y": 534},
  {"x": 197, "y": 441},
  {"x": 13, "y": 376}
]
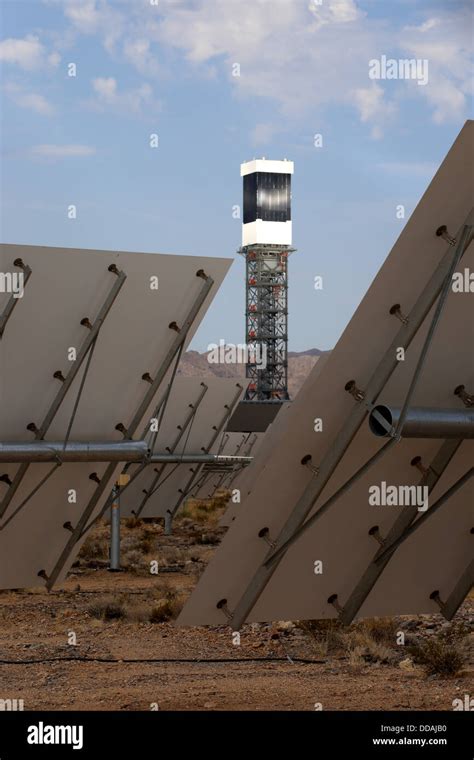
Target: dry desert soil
[{"x": 107, "y": 641}]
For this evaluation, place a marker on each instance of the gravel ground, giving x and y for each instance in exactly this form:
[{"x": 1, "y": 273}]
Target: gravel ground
[{"x": 69, "y": 650}]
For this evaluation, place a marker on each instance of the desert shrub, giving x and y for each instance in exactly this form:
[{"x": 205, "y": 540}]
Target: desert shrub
[
  {"x": 134, "y": 561},
  {"x": 94, "y": 548},
  {"x": 381, "y": 630},
  {"x": 166, "y": 609},
  {"x": 132, "y": 522},
  {"x": 107, "y": 608},
  {"x": 438, "y": 657},
  {"x": 328, "y": 635}
]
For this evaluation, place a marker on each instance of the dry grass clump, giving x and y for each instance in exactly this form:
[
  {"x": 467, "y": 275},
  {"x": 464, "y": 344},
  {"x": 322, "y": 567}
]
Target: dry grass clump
[
  {"x": 438, "y": 656},
  {"x": 164, "y": 605},
  {"x": 132, "y": 522},
  {"x": 94, "y": 548},
  {"x": 327, "y": 635},
  {"x": 166, "y": 609},
  {"x": 207, "y": 511},
  {"x": 107, "y": 608},
  {"x": 381, "y": 630},
  {"x": 362, "y": 645},
  {"x": 134, "y": 561},
  {"x": 370, "y": 641}
]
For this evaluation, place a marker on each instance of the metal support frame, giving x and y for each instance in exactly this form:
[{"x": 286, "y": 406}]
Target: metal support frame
[
  {"x": 115, "y": 531},
  {"x": 180, "y": 338},
  {"x": 87, "y": 344},
  {"x": 125, "y": 471},
  {"x": 172, "y": 448},
  {"x": 389, "y": 549},
  {"x": 438, "y": 284},
  {"x": 12, "y": 301},
  {"x": 405, "y": 518},
  {"x": 266, "y": 318},
  {"x": 195, "y": 472},
  {"x": 459, "y": 593}
]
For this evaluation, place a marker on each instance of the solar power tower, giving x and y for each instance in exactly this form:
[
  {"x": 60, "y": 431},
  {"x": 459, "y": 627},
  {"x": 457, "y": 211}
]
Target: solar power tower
[{"x": 266, "y": 245}]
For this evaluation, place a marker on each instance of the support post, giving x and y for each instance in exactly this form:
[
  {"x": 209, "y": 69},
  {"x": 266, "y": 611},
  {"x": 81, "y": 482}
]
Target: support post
[{"x": 115, "y": 532}]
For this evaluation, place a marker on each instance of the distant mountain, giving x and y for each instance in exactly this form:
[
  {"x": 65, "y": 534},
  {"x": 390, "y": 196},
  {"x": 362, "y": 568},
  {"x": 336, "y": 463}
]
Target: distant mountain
[{"x": 300, "y": 364}]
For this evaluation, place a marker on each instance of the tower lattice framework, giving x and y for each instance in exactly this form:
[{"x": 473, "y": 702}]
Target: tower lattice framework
[{"x": 266, "y": 317}]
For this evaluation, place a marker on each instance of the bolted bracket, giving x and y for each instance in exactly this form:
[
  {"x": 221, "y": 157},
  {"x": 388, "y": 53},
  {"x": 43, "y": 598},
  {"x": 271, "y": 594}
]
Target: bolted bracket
[
  {"x": 436, "y": 598},
  {"x": 222, "y": 605},
  {"x": 397, "y": 312},
  {"x": 375, "y": 533},
  {"x": 442, "y": 232},
  {"x": 351, "y": 388},
  {"x": 85, "y": 322},
  {"x": 335, "y": 603},
  {"x": 265, "y": 534},
  {"x": 307, "y": 462},
  {"x": 20, "y": 264},
  {"x": 417, "y": 462},
  {"x": 121, "y": 429},
  {"x": 466, "y": 398}
]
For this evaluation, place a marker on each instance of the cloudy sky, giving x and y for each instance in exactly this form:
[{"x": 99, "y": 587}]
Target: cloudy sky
[{"x": 220, "y": 82}]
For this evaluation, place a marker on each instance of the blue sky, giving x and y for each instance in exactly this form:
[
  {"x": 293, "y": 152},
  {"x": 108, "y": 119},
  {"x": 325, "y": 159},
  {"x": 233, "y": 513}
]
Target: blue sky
[{"x": 167, "y": 68}]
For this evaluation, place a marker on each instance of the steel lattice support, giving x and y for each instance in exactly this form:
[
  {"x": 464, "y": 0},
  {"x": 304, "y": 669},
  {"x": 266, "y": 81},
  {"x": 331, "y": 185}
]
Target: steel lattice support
[{"x": 266, "y": 316}]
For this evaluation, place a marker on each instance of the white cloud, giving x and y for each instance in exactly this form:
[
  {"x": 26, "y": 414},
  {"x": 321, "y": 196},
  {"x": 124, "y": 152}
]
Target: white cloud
[
  {"x": 92, "y": 17},
  {"x": 373, "y": 108},
  {"x": 62, "y": 151},
  {"x": 107, "y": 94},
  {"x": 27, "y": 53},
  {"x": 105, "y": 88},
  {"x": 84, "y": 15},
  {"x": 446, "y": 43},
  {"x": 32, "y": 101},
  {"x": 305, "y": 56},
  {"x": 335, "y": 11},
  {"x": 137, "y": 51}
]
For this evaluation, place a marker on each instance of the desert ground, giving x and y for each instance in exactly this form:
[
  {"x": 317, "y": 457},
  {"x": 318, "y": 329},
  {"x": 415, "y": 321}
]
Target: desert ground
[{"x": 107, "y": 641}]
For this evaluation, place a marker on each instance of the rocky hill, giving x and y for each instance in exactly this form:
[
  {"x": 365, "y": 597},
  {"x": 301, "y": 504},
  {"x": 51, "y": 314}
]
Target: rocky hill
[{"x": 300, "y": 364}]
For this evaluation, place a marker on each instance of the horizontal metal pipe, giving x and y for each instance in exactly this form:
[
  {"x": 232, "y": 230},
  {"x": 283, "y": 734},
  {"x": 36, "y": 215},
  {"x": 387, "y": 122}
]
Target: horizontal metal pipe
[
  {"x": 75, "y": 451},
  {"x": 199, "y": 459},
  {"x": 421, "y": 422},
  {"x": 103, "y": 451}
]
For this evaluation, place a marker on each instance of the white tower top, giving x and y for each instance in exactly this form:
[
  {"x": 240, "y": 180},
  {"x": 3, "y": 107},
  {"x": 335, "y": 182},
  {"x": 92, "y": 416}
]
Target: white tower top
[{"x": 267, "y": 202}]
